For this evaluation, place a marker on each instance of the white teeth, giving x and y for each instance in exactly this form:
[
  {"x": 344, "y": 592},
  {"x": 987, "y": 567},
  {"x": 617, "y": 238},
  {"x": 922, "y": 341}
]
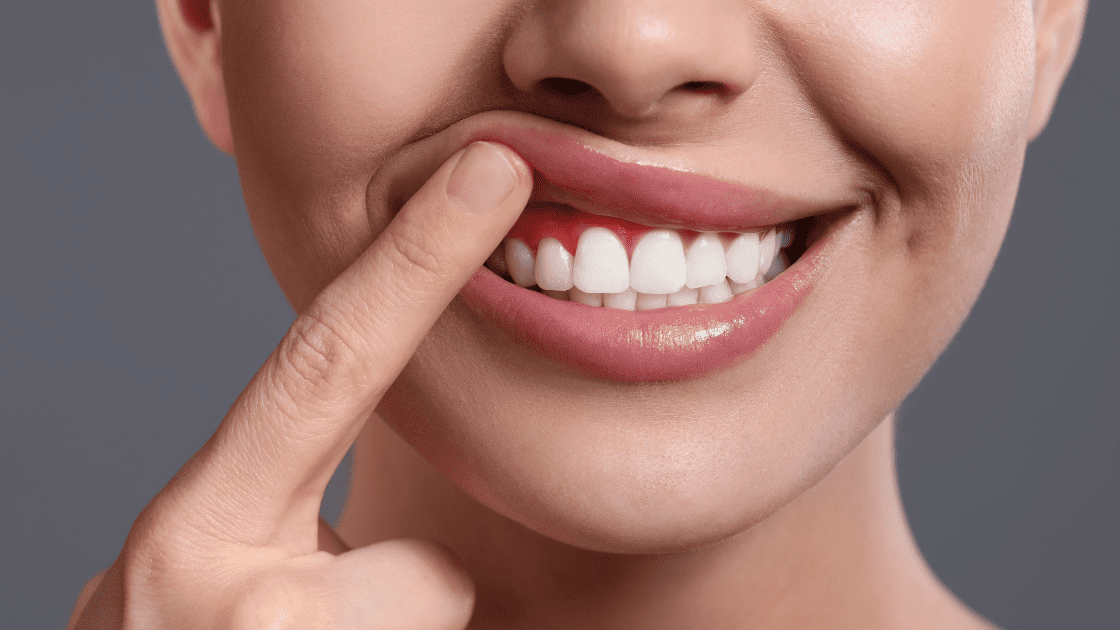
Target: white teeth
[
  {"x": 780, "y": 264},
  {"x": 741, "y": 287},
  {"x": 716, "y": 293},
  {"x": 707, "y": 263},
  {"x": 742, "y": 257},
  {"x": 520, "y": 261},
  {"x": 600, "y": 262},
  {"x": 684, "y": 297},
  {"x": 767, "y": 248},
  {"x": 661, "y": 273},
  {"x": 650, "y": 301},
  {"x": 590, "y": 299},
  {"x": 625, "y": 300},
  {"x": 554, "y": 266},
  {"x": 658, "y": 264}
]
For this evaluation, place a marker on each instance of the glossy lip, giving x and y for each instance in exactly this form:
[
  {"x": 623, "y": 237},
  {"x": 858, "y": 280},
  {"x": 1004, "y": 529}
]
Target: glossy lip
[{"x": 594, "y": 174}]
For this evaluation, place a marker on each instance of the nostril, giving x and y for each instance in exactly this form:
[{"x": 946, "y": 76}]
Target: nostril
[
  {"x": 703, "y": 87},
  {"x": 567, "y": 87}
]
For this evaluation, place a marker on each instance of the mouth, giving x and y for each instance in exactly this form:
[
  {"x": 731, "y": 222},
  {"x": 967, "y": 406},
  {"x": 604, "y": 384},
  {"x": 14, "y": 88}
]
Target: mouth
[{"x": 633, "y": 271}]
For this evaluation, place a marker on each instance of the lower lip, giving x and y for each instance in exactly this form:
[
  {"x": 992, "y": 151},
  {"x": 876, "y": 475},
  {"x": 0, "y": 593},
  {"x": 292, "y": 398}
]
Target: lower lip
[{"x": 661, "y": 345}]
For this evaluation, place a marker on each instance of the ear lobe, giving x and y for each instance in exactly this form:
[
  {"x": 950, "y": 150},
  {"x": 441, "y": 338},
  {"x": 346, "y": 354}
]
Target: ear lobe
[
  {"x": 192, "y": 32},
  {"x": 1058, "y": 25}
]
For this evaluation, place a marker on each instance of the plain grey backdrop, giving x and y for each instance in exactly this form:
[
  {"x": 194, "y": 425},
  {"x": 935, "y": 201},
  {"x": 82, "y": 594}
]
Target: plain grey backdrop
[{"x": 134, "y": 306}]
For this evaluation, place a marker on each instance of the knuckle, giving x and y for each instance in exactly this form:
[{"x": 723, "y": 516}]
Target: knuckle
[
  {"x": 273, "y": 602},
  {"x": 435, "y": 572},
  {"x": 316, "y": 352},
  {"x": 416, "y": 253}
]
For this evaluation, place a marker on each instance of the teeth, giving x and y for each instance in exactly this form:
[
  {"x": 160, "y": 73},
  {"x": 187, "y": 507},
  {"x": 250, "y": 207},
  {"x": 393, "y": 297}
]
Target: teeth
[
  {"x": 707, "y": 263},
  {"x": 600, "y": 264},
  {"x": 590, "y": 299},
  {"x": 497, "y": 261},
  {"x": 742, "y": 257},
  {"x": 625, "y": 300},
  {"x": 658, "y": 265},
  {"x": 716, "y": 293},
  {"x": 785, "y": 236},
  {"x": 780, "y": 264},
  {"x": 661, "y": 273},
  {"x": 520, "y": 261},
  {"x": 767, "y": 249},
  {"x": 740, "y": 287},
  {"x": 554, "y": 266},
  {"x": 650, "y": 301},
  {"x": 684, "y": 297}
]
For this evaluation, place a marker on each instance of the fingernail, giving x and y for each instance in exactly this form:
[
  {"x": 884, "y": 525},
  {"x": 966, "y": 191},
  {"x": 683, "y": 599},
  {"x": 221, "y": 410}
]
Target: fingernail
[{"x": 482, "y": 179}]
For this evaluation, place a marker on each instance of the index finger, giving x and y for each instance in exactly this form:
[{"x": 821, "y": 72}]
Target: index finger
[{"x": 273, "y": 454}]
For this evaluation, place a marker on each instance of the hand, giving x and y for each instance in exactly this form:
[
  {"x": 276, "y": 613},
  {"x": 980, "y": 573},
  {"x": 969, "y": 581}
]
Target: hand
[{"x": 235, "y": 540}]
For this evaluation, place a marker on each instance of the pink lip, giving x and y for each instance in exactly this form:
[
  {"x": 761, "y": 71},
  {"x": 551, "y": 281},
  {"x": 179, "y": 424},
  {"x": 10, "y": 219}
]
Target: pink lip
[
  {"x": 664, "y": 344},
  {"x": 566, "y": 171}
]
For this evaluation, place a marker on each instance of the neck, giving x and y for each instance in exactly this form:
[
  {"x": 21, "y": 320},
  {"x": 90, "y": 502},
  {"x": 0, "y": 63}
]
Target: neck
[{"x": 840, "y": 555}]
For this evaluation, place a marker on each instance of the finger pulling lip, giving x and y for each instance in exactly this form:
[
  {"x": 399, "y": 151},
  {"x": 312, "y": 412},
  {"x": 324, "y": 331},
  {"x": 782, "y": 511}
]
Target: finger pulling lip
[{"x": 570, "y": 172}]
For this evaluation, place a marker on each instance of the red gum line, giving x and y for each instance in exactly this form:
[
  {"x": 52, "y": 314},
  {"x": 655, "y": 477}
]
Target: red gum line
[{"x": 566, "y": 224}]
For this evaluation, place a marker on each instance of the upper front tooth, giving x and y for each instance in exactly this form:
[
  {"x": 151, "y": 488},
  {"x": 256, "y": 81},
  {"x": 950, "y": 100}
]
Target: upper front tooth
[
  {"x": 707, "y": 263},
  {"x": 554, "y": 266},
  {"x": 520, "y": 261},
  {"x": 742, "y": 257},
  {"x": 600, "y": 263},
  {"x": 658, "y": 264}
]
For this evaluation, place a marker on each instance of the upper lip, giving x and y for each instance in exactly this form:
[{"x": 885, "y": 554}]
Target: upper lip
[{"x": 575, "y": 167}]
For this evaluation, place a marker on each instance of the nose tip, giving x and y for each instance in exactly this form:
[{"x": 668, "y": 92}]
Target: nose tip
[{"x": 641, "y": 57}]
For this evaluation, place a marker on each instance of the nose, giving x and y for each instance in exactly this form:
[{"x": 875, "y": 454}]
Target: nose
[{"x": 644, "y": 57}]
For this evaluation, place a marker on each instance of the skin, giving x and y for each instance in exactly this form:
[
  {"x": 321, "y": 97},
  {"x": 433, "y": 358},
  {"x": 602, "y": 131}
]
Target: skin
[{"x": 760, "y": 496}]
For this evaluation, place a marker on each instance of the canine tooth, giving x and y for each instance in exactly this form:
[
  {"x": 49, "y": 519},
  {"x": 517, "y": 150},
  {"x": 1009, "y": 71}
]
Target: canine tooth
[
  {"x": 625, "y": 300},
  {"x": 740, "y": 287},
  {"x": 554, "y": 266},
  {"x": 684, "y": 297},
  {"x": 590, "y": 299},
  {"x": 767, "y": 248},
  {"x": 556, "y": 295},
  {"x": 520, "y": 261},
  {"x": 781, "y": 263},
  {"x": 742, "y": 257},
  {"x": 716, "y": 293},
  {"x": 650, "y": 301},
  {"x": 707, "y": 262},
  {"x": 658, "y": 264},
  {"x": 600, "y": 262}
]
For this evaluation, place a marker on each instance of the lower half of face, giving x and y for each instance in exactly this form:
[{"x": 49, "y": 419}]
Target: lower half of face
[{"x": 881, "y": 141}]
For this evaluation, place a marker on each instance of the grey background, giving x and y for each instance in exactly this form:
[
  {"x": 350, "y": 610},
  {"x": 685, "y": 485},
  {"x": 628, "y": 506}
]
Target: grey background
[{"x": 134, "y": 305}]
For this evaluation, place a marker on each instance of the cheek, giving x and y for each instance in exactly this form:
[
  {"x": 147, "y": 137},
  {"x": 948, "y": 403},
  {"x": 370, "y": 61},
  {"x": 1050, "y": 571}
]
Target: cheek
[
  {"x": 936, "y": 95},
  {"x": 320, "y": 92}
]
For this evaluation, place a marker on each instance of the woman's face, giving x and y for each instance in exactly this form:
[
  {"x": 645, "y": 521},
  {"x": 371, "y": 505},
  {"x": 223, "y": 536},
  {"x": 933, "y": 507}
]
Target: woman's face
[{"x": 891, "y": 133}]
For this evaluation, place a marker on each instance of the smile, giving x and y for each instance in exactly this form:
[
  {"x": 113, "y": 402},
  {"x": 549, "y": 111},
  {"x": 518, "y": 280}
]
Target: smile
[{"x": 637, "y": 272}]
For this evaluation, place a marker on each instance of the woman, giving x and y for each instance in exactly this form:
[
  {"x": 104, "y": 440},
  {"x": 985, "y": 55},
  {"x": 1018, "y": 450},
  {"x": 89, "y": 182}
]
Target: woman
[{"x": 594, "y": 454}]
